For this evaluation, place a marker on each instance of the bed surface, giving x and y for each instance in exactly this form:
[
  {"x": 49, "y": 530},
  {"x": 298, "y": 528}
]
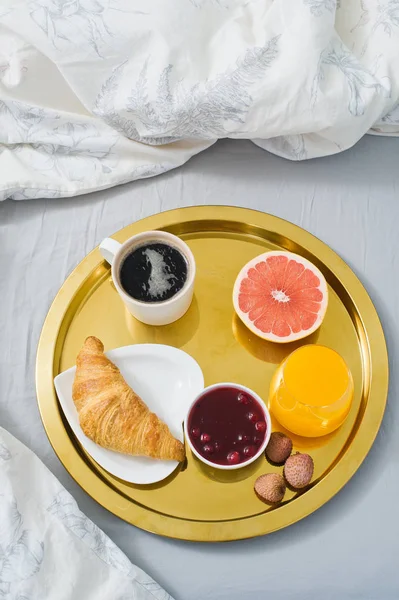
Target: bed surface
[{"x": 349, "y": 548}]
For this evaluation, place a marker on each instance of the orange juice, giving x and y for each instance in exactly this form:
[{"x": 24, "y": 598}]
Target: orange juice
[{"x": 311, "y": 392}]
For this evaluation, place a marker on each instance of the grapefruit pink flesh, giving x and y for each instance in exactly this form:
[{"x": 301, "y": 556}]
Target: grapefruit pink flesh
[{"x": 280, "y": 296}]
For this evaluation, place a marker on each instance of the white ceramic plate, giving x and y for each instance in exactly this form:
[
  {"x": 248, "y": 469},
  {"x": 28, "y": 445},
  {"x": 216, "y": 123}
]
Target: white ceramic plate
[{"x": 167, "y": 379}]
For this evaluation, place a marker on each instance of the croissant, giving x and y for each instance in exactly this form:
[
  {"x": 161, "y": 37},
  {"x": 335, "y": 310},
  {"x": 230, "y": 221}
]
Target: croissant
[{"x": 112, "y": 414}]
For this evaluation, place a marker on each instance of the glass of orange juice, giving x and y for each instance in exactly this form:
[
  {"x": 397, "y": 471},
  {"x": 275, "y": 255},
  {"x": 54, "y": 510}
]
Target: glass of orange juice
[{"x": 311, "y": 391}]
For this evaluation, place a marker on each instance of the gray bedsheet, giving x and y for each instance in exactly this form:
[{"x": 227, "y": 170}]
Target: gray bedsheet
[{"x": 348, "y": 549}]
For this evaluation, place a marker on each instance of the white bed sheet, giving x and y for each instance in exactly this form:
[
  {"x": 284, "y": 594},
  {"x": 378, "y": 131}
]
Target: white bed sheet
[{"x": 349, "y": 548}]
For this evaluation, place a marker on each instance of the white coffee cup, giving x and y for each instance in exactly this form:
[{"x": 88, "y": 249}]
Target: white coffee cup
[{"x": 151, "y": 313}]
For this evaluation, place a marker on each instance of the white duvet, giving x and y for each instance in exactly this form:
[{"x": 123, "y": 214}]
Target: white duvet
[
  {"x": 49, "y": 550},
  {"x": 95, "y": 93}
]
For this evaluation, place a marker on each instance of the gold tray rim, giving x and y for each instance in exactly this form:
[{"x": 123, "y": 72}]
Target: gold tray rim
[{"x": 249, "y": 527}]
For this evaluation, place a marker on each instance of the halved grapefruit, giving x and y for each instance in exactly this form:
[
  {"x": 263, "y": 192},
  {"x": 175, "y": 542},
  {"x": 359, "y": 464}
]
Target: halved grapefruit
[{"x": 280, "y": 296}]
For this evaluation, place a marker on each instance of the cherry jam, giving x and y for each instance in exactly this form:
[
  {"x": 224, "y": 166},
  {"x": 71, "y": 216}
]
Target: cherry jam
[{"x": 227, "y": 426}]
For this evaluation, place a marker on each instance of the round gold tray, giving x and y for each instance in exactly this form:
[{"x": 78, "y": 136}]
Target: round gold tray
[{"x": 194, "y": 503}]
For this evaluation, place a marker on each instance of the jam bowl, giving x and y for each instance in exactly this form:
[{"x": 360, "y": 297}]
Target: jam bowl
[{"x": 227, "y": 426}]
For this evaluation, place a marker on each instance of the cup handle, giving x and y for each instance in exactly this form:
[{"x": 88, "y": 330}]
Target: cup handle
[{"x": 108, "y": 249}]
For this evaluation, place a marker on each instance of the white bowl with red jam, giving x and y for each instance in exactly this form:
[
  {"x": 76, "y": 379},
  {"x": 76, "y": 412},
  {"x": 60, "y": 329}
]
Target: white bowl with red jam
[{"x": 227, "y": 426}]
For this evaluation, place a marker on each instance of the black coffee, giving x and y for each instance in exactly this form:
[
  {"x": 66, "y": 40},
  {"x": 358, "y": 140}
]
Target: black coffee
[{"x": 153, "y": 272}]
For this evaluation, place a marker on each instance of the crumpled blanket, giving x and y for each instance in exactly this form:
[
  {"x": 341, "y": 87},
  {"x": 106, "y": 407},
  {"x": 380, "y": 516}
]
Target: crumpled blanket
[
  {"x": 95, "y": 93},
  {"x": 49, "y": 550}
]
